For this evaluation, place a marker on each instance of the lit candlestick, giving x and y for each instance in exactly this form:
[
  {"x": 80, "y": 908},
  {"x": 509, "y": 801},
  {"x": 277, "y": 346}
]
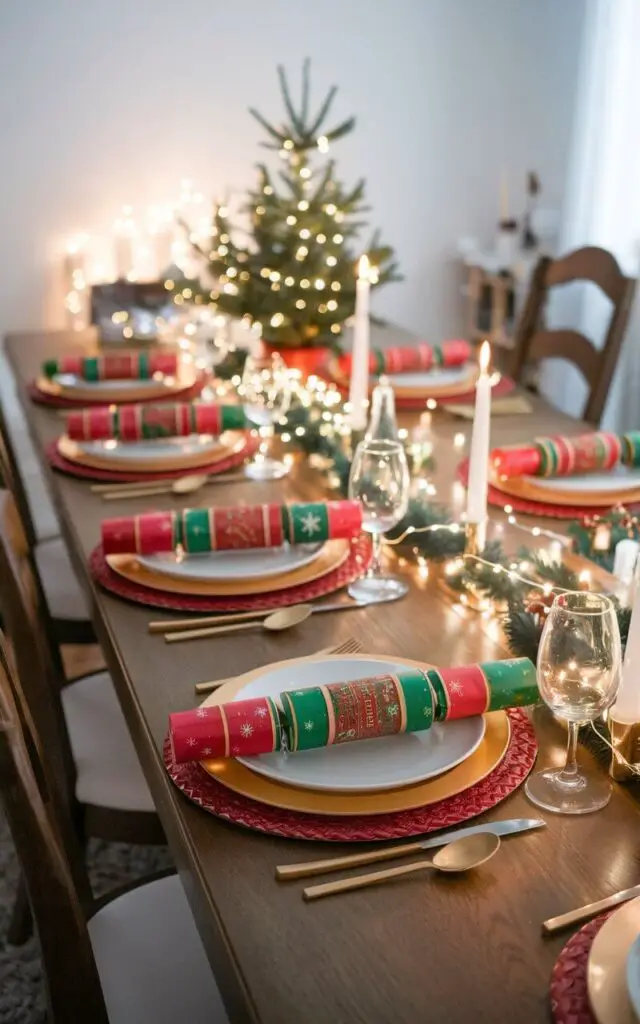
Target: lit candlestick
[
  {"x": 479, "y": 452},
  {"x": 162, "y": 234},
  {"x": 75, "y": 272},
  {"x": 359, "y": 389},
  {"x": 124, "y": 250},
  {"x": 625, "y": 558},
  {"x": 627, "y": 706}
]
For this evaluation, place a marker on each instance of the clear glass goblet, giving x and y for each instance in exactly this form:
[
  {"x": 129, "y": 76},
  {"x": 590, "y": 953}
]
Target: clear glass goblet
[
  {"x": 266, "y": 395},
  {"x": 379, "y": 480},
  {"x": 579, "y": 669}
]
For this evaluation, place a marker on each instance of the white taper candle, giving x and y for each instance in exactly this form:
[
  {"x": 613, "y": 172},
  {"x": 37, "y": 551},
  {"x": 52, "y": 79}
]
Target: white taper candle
[
  {"x": 359, "y": 387},
  {"x": 479, "y": 452}
]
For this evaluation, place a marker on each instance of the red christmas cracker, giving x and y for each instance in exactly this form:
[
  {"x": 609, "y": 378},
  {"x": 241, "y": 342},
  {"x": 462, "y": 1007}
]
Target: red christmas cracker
[{"x": 238, "y": 728}]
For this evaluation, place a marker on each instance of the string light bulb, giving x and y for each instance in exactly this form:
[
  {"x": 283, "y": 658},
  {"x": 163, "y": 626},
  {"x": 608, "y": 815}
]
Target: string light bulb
[
  {"x": 300, "y": 304},
  {"x": 276, "y": 320},
  {"x": 338, "y": 239},
  {"x": 305, "y": 172},
  {"x": 305, "y": 233},
  {"x": 321, "y": 239},
  {"x": 291, "y": 220},
  {"x": 305, "y": 283},
  {"x": 302, "y": 252},
  {"x": 268, "y": 191},
  {"x": 303, "y": 205},
  {"x": 288, "y": 144},
  {"x": 319, "y": 283},
  {"x": 323, "y": 144},
  {"x": 330, "y": 208},
  {"x": 335, "y": 286},
  {"x": 331, "y": 261},
  {"x": 289, "y": 281}
]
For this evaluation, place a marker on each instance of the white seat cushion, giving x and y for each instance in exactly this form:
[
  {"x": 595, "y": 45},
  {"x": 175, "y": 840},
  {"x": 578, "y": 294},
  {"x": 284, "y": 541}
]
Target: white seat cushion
[
  {"x": 108, "y": 770},
  {"x": 62, "y": 590},
  {"x": 151, "y": 962}
]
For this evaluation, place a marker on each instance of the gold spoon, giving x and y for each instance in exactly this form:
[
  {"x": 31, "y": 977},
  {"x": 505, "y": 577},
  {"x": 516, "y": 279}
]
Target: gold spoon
[
  {"x": 461, "y": 855},
  {"x": 275, "y": 623},
  {"x": 183, "y": 485}
]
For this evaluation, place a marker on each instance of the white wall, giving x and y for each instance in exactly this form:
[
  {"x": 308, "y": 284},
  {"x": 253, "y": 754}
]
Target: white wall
[{"x": 105, "y": 102}]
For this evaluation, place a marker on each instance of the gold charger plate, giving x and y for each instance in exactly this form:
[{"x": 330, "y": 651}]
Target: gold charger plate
[
  {"x": 523, "y": 487},
  {"x": 433, "y": 391},
  {"x": 166, "y": 386},
  {"x": 242, "y": 780},
  {"x": 331, "y": 557},
  {"x": 231, "y": 443},
  {"x": 607, "y": 967}
]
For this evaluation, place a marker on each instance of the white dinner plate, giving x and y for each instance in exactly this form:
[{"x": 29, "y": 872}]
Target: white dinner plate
[
  {"x": 623, "y": 478},
  {"x": 448, "y": 376},
  {"x": 606, "y": 972},
  {"x": 253, "y": 564},
  {"x": 70, "y": 382},
  {"x": 384, "y": 763},
  {"x": 157, "y": 449},
  {"x": 633, "y": 976}
]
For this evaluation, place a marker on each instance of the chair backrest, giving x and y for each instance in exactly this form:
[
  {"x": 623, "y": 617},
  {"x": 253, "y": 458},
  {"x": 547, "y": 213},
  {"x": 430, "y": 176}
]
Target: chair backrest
[
  {"x": 73, "y": 983},
  {"x": 26, "y": 622},
  {"x": 13, "y": 481},
  {"x": 534, "y": 342}
]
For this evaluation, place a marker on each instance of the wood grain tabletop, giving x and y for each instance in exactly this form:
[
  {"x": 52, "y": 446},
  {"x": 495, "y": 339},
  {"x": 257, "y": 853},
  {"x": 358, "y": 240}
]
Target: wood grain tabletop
[{"x": 447, "y": 950}]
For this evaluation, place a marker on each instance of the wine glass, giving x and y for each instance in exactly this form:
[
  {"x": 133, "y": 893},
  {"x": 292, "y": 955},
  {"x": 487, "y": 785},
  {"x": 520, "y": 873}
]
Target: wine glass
[
  {"x": 579, "y": 669},
  {"x": 266, "y": 391},
  {"x": 379, "y": 480}
]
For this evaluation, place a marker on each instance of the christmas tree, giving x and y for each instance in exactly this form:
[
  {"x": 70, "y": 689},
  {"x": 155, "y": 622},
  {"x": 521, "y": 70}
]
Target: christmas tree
[{"x": 294, "y": 279}]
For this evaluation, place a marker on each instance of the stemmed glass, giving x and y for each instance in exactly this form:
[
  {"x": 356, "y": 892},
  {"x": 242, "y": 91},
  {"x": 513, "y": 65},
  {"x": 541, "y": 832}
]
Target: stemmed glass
[
  {"x": 579, "y": 669},
  {"x": 266, "y": 392},
  {"x": 379, "y": 480}
]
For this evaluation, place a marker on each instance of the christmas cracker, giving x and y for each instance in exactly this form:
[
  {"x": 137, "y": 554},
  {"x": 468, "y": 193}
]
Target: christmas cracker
[
  {"x": 226, "y": 529},
  {"x": 140, "y": 422},
  {"x": 121, "y": 366},
  {"x": 409, "y": 700},
  {"x": 415, "y": 359},
  {"x": 565, "y": 456}
]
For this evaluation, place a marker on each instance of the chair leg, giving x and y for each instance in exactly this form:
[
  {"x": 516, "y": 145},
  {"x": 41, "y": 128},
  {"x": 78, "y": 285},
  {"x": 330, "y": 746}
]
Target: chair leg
[{"x": 21, "y": 923}]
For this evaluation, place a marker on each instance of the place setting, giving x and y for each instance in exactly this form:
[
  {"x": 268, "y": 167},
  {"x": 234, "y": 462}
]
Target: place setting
[
  {"x": 146, "y": 375},
  {"x": 144, "y": 443},
  {"x": 565, "y": 477},
  {"x": 356, "y": 747}
]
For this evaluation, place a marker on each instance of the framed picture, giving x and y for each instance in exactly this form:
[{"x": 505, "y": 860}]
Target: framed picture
[{"x": 128, "y": 313}]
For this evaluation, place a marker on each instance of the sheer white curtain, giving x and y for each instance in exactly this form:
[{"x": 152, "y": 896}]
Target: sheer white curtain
[{"x": 602, "y": 205}]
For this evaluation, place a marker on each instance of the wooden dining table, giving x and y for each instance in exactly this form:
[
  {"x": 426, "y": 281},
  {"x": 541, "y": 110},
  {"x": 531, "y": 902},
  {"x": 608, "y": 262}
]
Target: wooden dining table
[{"x": 447, "y": 950}]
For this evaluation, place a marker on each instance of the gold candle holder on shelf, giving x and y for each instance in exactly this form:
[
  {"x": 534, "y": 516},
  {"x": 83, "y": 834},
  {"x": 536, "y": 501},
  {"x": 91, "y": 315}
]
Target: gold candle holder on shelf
[{"x": 625, "y": 740}]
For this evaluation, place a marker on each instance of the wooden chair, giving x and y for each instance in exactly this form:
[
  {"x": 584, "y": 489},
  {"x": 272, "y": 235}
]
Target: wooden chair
[
  {"x": 65, "y": 599},
  {"x": 533, "y": 342},
  {"x": 137, "y": 957},
  {"x": 82, "y": 726}
]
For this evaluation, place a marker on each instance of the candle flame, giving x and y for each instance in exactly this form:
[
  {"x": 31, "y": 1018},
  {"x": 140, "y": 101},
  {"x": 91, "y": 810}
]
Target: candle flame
[
  {"x": 485, "y": 356},
  {"x": 363, "y": 267}
]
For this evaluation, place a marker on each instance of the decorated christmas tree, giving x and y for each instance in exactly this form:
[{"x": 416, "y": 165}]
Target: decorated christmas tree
[{"x": 294, "y": 276}]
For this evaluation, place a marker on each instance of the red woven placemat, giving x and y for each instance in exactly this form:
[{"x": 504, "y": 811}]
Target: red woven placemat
[
  {"x": 353, "y": 566},
  {"x": 112, "y": 476},
  {"x": 213, "y": 797},
  {"x": 569, "y": 996},
  {"x": 59, "y": 402},
  {"x": 536, "y": 508}
]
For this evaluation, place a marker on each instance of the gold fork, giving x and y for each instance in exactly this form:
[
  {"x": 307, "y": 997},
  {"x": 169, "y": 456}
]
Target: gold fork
[{"x": 350, "y": 646}]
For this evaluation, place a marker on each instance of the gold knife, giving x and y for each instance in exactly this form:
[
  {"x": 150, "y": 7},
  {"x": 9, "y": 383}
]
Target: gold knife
[{"x": 556, "y": 924}]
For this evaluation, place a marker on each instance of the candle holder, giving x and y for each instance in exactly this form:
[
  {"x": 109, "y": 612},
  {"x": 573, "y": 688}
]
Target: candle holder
[
  {"x": 625, "y": 741},
  {"x": 474, "y": 538}
]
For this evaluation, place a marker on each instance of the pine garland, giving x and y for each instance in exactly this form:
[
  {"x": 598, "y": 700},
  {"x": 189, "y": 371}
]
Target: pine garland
[{"x": 307, "y": 430}]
